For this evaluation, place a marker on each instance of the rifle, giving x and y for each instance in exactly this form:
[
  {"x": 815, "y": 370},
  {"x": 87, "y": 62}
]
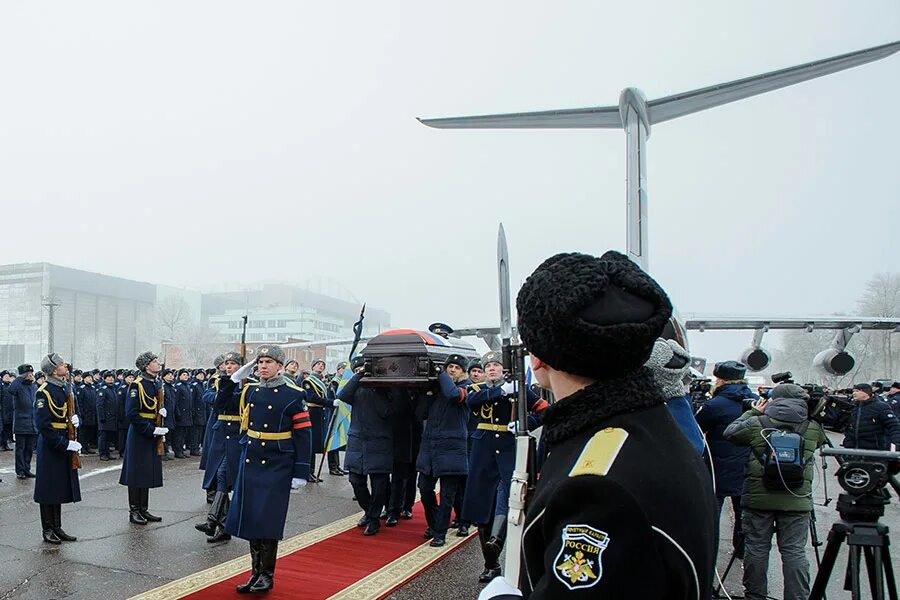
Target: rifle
[
  {"x": 70, "y": 427},
  {"x": 158, "y": 420},
  {"x": 244, "y": 347},
  {"x": 523, "y": 478}
]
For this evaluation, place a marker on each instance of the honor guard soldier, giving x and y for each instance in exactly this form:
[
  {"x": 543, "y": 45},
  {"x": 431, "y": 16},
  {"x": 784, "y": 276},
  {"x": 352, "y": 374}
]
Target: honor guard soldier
[
  {"x": 275, "y": 457},
  {"x": 142, "y": 468},
  {"x": 57, "y": 474},
  {"x": 209, "y": 398},
  {"x": 223, "y": 451},
  {"x": 493, "y": 459},
  {"x": 107, "y": 420},
  {"x": 317, "y": 398},
  {"x": 624, "y": 507}
]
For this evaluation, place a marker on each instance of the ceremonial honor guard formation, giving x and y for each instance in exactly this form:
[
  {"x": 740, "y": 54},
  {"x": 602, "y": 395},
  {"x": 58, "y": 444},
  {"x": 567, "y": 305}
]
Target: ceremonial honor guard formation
[{"x": 570, "y": 446}]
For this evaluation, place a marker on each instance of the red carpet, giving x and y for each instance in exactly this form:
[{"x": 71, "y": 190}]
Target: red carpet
[{"x": 331, "y": 565}]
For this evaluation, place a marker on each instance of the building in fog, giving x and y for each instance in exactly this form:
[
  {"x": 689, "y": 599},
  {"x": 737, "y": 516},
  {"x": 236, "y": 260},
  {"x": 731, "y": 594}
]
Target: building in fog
[
  {"x": 98, "y": 320},
  {"x": 277, "y": 313}
]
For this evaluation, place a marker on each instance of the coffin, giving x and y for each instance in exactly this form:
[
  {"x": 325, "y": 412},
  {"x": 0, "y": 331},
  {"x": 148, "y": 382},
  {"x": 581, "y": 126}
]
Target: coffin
[{"x": 409, "y": 358}]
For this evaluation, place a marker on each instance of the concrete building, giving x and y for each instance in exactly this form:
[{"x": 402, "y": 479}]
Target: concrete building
[
  {"x": 99, "y": 320},
  {"x": 277, "y": 313}
]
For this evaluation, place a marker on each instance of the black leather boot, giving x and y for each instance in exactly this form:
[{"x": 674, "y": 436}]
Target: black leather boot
[
  {"x": 219, "y": 511},
  {"x": 57, "y": 524},
  {"x": 145, "y": 502},
  {"x": 254, "y": 561},
  {"x": 268, "y": 552},
  {"x": 210, "y": 495},
  {"x": 498, "y": 535},
  {"x": 47, "y": 526},
  {"x": 491, "y": 560},
  {"x": 134, "y": 507}
]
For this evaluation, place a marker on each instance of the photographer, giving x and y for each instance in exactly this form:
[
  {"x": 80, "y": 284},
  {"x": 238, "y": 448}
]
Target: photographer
[
  {"x": 777, "y": 500},
  {"x": 872, "y": 424},
  {"x": 727, "y": 403}
]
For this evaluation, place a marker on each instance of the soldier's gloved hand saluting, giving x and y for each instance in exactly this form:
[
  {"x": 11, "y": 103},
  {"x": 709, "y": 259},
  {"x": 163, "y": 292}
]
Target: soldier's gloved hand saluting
[
  {"x": 160, "y": 431},
  {"x": 243, "y": 372}
]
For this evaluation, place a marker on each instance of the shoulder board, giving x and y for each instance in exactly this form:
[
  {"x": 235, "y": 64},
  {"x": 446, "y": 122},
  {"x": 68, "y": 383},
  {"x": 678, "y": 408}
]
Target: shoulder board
[
  {"x": 42, "y": 386},
  {"x": 294, "y": 386},
  {"x": 599, "y": 454},
  {"x": 474, "y": 387}
]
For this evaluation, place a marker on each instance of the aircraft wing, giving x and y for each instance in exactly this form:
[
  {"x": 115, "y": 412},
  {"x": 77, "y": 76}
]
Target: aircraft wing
[
  {"x": 678, "y": 105},
  {"x": 324, "y": 343},
  {"x": 597, "y": 117},
  {"x": 701, "y": 323}
]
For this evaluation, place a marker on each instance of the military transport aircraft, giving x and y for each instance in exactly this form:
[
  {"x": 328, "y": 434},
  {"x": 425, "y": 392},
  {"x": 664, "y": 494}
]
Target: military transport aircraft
[{"x": 634, "y": 114}]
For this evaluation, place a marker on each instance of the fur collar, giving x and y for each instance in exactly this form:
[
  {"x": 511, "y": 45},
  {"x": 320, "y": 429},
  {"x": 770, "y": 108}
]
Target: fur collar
[{"x": 589, "y": 407}]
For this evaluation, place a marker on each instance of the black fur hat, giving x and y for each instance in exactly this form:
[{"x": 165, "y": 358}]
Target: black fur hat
[
  {"x": 457, "y": 359},
  {"x": 730, "y": 370},
  {"x": 589, "y": 316}
]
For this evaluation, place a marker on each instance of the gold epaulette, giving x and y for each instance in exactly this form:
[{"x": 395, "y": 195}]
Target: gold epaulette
[{"x": 599, "y": 454}]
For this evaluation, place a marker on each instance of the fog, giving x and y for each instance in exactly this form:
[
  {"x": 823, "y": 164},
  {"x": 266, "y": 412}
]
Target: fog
[{"x": 201, "y": 143}]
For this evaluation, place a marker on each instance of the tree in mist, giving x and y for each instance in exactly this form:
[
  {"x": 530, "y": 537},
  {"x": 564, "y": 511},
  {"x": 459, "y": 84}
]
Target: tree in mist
[
  {"x": 173, "y": 318},
  {"x": 201, "y": 344},
  {"x": 882, "y": 299}
]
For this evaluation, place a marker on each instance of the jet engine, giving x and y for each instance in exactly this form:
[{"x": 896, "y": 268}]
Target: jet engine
[
  {"x": 834, "y": 361},
  {"x": 756, "y": 359}
]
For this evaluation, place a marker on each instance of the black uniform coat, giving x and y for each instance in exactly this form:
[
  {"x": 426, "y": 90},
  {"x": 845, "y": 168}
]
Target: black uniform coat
[
  {"x": 87, "y": 404},
  {"x": 198, "y": 406},
  {"x": 142, "y": 467},
  {"x": 121, "y": 402},
  {"x": 6, "y": 404},
  {"x": 317, "y": 400},
  {"x": 171, "y": 392},
  {"x": 184, "y": 405},
  {"x": 624, "y": 507},
  {"x": 107, "y": 413},
  {"x": 445, "y": 438},
  {"x": 22, "y": 393},
  {"x": 225, "y": 436},
  {"x": 370, "y": 444},
  {"x": 57, "y": 481},
  {"x": 209, "y": 398},
  {"x": 262, "y": 490}
]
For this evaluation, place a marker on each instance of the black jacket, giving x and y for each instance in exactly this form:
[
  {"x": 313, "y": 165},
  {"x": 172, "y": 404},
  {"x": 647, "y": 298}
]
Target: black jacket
[
  {"x": 872, "y": 426},
  {"x": 624, "y": 507}
]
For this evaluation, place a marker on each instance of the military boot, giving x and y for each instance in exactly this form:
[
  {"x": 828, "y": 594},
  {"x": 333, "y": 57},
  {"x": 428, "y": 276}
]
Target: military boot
[
  {"x": 219, "y": 511},
  {"x": 57, "y": 524},
  {"x": 145, "y": 502},
  {"x": 47, "y": 526},
  {"x": 498, "y": 535},
  {"x": 491, "y": 560},
  {"x": 267, "y": 555},
  {"x": 134, "y": 507},
  {"x": 254, "y": 561}
]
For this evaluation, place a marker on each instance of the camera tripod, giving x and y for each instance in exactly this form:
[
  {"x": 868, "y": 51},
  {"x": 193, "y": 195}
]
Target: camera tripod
[{"x": 864, "y": 537}]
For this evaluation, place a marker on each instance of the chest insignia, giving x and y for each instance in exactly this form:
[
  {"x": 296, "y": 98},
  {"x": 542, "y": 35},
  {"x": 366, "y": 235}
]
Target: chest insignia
[
  {"x": 577, "y": 564},
  {"x": 600, "y": 452}
]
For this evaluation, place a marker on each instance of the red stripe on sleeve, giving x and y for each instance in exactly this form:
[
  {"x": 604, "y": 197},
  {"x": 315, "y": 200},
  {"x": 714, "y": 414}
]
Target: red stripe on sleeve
[
  {"x": 302, "y": 425},
  {"x": 300, "y": 415}
]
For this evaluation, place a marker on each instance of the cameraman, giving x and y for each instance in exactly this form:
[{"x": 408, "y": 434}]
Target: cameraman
[
  {"x": 727, "y": 404},
  {"x": 872, "y": 424},
  {"x": 777, "y": 508}
]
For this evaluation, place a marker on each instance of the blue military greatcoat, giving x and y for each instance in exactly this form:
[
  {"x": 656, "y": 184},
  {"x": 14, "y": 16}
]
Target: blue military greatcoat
[
  {"x": 493, "y": 456},
  {"x": 209, "y": 399},
  {"x": 276, "y": 447},
  {"x": 142, "y": 467},
  {"x": 57, "y": 481},
  {"x": 224, "y": 442},
  {"x": 445, "y": 438}
]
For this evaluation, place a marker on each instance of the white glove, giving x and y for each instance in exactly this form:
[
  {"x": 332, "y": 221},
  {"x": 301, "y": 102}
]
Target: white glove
[
  {"x": 163, "y": 413},
  {"x": 160, "y": 431},
  {"x": 74, "y": 446},
  {"x": 498, "y": 587},
  {"x": 75, "y": 421},
  {"x": 513, "y": 427},
  {"x": 242, "y": 373},
  {"x": 296, "y": 483},
  {"x": 509, "y": 387}
]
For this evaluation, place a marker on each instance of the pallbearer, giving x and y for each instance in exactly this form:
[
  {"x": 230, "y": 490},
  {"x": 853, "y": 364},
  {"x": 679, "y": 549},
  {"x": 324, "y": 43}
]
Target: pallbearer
[
  {"x": 142, "y": 468},
  {"x": 57, "y": 474},
  {"x": 275, "y": 458}
]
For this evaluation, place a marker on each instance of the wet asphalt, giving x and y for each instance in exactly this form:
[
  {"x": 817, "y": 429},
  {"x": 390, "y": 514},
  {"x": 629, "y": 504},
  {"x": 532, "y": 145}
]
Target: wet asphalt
[{"x": 114, "y": 559}]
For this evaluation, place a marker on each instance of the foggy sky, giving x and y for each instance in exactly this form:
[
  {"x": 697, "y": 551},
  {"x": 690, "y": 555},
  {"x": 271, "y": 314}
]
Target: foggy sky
[{"x": 193, "y": 143}]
